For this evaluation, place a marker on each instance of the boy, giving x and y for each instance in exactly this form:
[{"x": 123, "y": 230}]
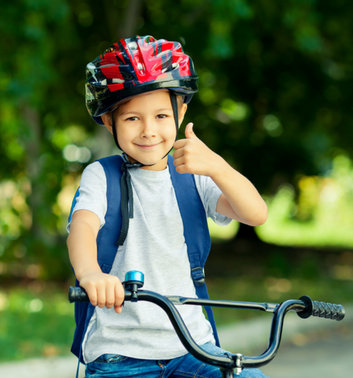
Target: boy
[{"x": 139, "y": 90}]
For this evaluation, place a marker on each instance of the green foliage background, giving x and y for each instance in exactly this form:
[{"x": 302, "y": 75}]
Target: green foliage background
[{"x": 274, "y": 100}]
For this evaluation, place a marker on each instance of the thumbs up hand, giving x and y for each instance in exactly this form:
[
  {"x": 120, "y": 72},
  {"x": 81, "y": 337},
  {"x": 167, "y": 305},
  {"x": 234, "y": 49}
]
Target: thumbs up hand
[
  {"x": 239, "y": 199},
  {"x": 189, "y": 131},
  {"x": 191, "y": 155}
]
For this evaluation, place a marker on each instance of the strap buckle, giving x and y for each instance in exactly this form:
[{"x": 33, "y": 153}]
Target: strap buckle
[{"x": 198, "y": 276}]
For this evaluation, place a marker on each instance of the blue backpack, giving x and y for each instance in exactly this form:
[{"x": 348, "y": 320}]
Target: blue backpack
[{"x": 196, "y": 236}]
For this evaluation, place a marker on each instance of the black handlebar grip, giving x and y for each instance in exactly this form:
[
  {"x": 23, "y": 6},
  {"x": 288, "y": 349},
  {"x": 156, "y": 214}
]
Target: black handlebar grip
[
  {"x": 322, "y": 309},
  {"x": 77, "y": 294}
]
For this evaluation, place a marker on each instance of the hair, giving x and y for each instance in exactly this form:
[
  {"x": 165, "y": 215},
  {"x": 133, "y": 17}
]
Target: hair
[{"x": 180, "y": 100}]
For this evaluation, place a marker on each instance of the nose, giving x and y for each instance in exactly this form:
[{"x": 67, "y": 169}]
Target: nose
[{"x": 148, "y": 129}]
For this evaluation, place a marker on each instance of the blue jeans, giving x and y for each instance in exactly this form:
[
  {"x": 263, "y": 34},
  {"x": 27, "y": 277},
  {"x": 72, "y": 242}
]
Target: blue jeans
[{"x": 116, "y": 366}]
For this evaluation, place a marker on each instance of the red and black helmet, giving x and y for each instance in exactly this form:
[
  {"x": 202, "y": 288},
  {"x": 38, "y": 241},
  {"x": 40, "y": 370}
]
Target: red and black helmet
[{"x": 137, "y": 65}]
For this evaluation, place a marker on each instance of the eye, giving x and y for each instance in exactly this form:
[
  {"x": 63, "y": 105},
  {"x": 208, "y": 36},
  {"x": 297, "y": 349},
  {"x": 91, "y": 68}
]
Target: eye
[
  {"x": 132, "y": 119},
  {"x": 161, "y": 116}
]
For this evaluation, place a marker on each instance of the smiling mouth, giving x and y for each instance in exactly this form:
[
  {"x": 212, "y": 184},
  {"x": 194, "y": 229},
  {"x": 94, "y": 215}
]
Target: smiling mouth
[{"x": 148, "y": 146}]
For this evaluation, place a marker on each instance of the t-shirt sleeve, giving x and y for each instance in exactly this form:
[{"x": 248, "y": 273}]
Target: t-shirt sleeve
[
  {"x": 209, "y": 194},
  {"x": 92, "y": 192}
]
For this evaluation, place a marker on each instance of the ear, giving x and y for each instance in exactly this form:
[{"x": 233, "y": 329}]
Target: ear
[
  {"x": 182, "y": 111},
  {"x": 107, "y": 120}
]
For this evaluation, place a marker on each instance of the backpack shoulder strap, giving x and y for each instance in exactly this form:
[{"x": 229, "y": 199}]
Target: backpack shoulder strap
[
  {"x": 193, "y": 214},
  {"x": 196, "y": 233},
  {"x": 109, "y": 234}
]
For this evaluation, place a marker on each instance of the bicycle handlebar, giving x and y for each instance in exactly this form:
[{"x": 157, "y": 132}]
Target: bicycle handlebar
[
  {"x": 322, "y": 310},
  {"x": 304, "y": 307}
]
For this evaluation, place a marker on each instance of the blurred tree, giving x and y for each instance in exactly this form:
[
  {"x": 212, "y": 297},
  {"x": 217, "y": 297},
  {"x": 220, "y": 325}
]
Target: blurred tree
[
  {"x": 32, "y": 105},
  {"x": 274, "y": 100},
  {"x": 42, "y": 91}
]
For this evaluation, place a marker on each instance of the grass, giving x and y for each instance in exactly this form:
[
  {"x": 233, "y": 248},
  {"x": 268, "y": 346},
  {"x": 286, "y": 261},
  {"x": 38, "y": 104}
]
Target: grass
[
  {"x": 34, "y": 324},
  {"x": 318, "y": 213}
]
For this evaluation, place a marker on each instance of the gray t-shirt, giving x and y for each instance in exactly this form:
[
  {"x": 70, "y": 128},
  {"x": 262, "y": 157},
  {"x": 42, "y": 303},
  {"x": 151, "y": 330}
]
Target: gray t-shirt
[{"x": 155, "y": 245}]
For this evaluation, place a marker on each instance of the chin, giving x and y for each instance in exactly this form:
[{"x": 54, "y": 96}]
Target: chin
[
  {"x": 150, "y": 160},
  {"x": 154, "y": 162}
]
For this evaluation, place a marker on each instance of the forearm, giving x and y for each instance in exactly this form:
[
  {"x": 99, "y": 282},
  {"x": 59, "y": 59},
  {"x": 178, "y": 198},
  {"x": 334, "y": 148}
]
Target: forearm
[
  {"x": 82, "y": 248},
  {"x": 102, "y": 289},
  {"x": 240, "y": 200}
]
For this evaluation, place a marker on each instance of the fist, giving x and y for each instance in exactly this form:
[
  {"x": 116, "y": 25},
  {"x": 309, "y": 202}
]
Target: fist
[
  {"x": 191, "y": 155},
  {"x": 104, "y": 290}
]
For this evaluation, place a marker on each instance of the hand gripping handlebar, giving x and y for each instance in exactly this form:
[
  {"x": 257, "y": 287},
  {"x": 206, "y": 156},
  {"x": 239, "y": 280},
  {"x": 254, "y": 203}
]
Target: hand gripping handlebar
[{"x": 229, "y": 362}]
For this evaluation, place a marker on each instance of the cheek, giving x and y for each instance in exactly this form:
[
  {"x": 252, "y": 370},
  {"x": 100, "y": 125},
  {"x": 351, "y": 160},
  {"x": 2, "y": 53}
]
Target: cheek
[
  {"x": 170, "y": 131},
  {"x": 123, "y": 131},
  {"x": 123, "y": 135}
]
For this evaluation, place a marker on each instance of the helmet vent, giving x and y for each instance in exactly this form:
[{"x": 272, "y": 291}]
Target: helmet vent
[
  {"x": 133, "y": 45},
  {"x": 111, "y": 48}
]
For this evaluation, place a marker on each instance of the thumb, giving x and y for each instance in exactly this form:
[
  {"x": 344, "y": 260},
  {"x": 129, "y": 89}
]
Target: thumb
[{"x": 189, "y": 132}]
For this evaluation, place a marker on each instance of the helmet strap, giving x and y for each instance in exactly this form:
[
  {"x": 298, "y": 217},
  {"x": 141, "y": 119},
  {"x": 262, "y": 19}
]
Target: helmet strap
[
  {"x": 114, "y": 132},
  {"x": 174, "y": 101}
]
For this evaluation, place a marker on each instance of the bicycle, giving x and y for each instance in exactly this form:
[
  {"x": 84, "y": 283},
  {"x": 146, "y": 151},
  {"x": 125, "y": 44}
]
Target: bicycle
[{"x": 230, "y": 363}]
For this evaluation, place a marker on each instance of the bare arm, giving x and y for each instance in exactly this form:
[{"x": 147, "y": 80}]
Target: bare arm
[
  {"x": 102, "y": 289},
  {"x": 239, "y": 199}
]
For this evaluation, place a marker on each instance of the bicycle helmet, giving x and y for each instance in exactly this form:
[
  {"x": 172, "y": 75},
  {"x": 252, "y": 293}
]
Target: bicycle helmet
[{"x": 136, "y": 65}]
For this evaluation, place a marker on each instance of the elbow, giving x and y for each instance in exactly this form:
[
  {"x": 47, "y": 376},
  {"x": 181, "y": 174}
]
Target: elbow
[
  {"x": 260, "y": 217},
  {"x": 261, "y": 220}
]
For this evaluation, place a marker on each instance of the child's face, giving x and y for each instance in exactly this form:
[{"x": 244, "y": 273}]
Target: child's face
[{"x": 146, "y": 127}]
